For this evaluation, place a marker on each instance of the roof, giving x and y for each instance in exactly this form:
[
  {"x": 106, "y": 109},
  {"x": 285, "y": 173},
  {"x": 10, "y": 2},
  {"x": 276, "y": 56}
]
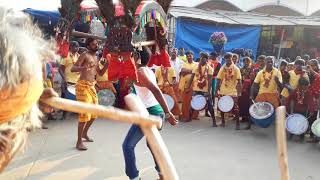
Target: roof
[
  {"x": 244, "y": 18},
  {"x": 304, "y": 7}
]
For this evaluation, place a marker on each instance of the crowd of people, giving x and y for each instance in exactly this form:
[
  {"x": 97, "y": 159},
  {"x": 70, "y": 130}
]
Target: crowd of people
[{"x": 214, "y": 76}]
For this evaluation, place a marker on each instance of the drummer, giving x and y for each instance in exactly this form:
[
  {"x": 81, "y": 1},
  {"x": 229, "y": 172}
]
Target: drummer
[
  {"x": 186, "y": 91},
  {"x": 216, "y": 65},
  {"x": 229, "y": 84},
  {"x": 201, "y": 79},
  {"x": 166, "y": 79},
  {"x": 295, "y": 75},
  {"x": 298, "y": 101},
  {"x": 247, "y": 80},
  {"x": 267, "y": 81},
  {"x": 314, "y": 93},
  {"x": 68, "y": 77}
]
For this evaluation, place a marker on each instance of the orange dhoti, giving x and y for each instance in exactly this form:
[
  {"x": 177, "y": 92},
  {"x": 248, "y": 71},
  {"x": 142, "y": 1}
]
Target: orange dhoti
[
  {"x": 186, "y": 96},
  {"x": 169, "y": 90},
  {"x": 177, "y": 93},
  {"x": 272, "y": 98},
  {"x": 86, "y": 92}
]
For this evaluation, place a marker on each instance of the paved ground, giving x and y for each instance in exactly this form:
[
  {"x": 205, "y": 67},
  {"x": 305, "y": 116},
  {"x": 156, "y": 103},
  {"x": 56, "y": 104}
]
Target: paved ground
[{"x": 198, "y": 151}]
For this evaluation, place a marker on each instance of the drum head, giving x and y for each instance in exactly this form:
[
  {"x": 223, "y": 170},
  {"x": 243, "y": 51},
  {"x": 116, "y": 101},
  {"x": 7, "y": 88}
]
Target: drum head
[
  {"x": 297, "y": 124},
  {"x": 72, "y": 89},
  {"x": 169, "y": 101},
  {"x": 198, "y": 102},
  {"x": 225, "y": 103},
  {"x": 106, "y": 97},
  {"x": 315, "y": 128},
  {"x": 261, "y": 110}
]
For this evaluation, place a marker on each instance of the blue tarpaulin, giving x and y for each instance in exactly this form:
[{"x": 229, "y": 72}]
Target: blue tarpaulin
[
  {"x": 195, "y": 36},
  {"x": 44, "y": 18}
]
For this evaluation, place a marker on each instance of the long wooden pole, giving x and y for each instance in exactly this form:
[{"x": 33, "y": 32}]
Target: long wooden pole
[
  {"x": 155, "y": 141},
  {"x": 282, "y": 142},
  {"x": 109, "y": 113}
]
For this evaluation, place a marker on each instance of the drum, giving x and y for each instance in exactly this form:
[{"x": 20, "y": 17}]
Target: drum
[
  {"x": 106, "y": 97},
  {"x": 169, "y": 101},
  {"x": 198, "y": 102},
  {"x": 225, "y": 104},
  {"x": 297, "y": 124},
  {"x": 315, "y": 128},
  {"x": 71, "y": 92},
  {"x": 262, "y": 114}
]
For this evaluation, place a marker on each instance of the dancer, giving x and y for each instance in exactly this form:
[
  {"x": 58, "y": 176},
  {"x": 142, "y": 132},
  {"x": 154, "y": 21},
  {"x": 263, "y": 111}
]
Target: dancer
[
  {"x": 148, "y": 91},
  {"x": 229, "y": 84},
  {"x": 88, "y": 67}
]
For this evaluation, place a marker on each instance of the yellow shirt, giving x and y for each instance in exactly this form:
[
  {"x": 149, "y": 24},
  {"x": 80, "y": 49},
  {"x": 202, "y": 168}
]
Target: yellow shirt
[
  {"x": 184, "y": 80},
  {"x": 264, "y": 76},
  {"x": 196, "y": 80},
  {"x": 170, "y": 75},
  {"x": 68, "y": 62},
  {"x": 293, "y": 82},
  {"x": 229, "y": 77},
  {"x": 183, "y": 58}
]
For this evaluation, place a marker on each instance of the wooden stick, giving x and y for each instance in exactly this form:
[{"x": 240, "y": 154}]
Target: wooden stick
[
  {"x": 87, "y": 35},
  {"x": 155, "y": 141},
  {"x": 109, "y": 113},
  {"x": 282, "y": 142}
]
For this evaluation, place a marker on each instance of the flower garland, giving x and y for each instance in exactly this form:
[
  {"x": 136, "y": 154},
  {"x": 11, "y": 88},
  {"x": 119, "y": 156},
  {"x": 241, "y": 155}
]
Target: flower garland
[
  {"x": 267, "y": 79},
  {"x": 228, "y": 74},
  {"x": 300, "y": 96},
  {"x": 202, "y": 81}
]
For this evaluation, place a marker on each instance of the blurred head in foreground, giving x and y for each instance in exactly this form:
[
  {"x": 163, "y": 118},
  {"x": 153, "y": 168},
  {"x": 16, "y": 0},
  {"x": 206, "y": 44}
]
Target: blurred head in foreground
[{"x": 22, "y": 51}]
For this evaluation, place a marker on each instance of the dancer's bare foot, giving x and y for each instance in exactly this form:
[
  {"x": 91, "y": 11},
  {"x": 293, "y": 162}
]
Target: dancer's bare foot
[
  {"x": 81, "y": 147},
  {"x": 87, "y": 138}
]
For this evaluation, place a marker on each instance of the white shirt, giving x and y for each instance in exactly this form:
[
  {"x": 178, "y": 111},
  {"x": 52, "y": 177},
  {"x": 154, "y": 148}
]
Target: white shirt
[
  {"x": 144, "y": 93},
  {"x": 177, "y": 65}
]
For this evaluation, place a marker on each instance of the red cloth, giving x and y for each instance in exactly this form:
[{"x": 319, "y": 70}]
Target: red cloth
[
  {"x": 314, "y": 87},
  {"x": 160, "y": 59},
  {"x": 63, "y": 48},
  {"x": 124, "y": 69},
  {"x": 308, "y": 103}
]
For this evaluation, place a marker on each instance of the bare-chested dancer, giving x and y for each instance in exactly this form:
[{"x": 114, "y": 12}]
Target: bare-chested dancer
[{"x": 88, "y": 67}]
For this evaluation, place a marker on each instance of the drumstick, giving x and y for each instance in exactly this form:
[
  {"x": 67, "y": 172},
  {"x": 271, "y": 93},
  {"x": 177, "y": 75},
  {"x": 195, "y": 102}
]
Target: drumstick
[
  {"x": 110, "y": 113},
  {"x": 154, "y": 139},
  {"x": 281, "y": 142}
]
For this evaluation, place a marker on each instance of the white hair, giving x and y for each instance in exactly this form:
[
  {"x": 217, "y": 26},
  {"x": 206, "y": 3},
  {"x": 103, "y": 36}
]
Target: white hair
[{"x": 22, "y": 51}]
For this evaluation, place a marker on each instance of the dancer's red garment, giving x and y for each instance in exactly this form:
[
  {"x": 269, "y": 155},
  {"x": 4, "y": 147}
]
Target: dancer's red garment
[
  {"x": 160, "y": 59},
  {"x": 123, "y": 68},
  {"x": 63, "y": 48}
]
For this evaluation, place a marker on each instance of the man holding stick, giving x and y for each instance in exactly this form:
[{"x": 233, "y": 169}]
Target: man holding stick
[
  {"x": 88, "y": 67},
  {"x": 148, "y": 91}
]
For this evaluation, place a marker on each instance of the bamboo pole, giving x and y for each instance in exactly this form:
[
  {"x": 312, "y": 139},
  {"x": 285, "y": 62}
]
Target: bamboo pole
[
  {"x": 109, "y": 113},
  {"x": 155, "y": 141},
  {"x": 282, "y": 142}
]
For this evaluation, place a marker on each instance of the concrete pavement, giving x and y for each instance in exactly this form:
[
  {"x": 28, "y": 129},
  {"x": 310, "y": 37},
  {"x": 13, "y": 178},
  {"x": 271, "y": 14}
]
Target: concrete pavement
[{"x": 199, "y": 152}]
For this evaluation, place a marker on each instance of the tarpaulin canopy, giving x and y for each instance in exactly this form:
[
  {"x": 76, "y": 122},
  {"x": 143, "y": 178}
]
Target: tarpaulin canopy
[
  {"x": 195, "y": 36},
  {"x": 44, "y": 18}
]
